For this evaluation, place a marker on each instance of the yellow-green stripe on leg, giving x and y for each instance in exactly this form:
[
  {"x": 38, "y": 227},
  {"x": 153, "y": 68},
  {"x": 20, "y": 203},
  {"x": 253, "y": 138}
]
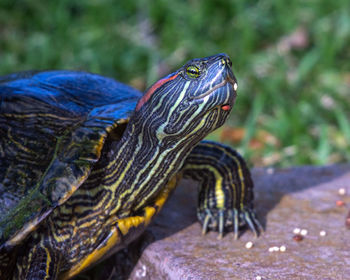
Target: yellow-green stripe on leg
[{"x": 226, "y": 193}]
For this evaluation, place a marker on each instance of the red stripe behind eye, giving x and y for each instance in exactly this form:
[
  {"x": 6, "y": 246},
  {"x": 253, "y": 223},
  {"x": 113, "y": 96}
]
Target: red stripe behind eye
[{"x": 153, "y": 88}]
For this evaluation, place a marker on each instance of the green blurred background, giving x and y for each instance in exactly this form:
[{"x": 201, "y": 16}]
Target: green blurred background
[{"x": 291, "y": 59}]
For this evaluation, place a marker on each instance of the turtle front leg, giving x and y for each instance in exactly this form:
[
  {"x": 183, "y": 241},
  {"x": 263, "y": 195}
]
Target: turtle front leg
[
  {"x": 226, "y": 192},
  {"x": 38, "y": 262}
]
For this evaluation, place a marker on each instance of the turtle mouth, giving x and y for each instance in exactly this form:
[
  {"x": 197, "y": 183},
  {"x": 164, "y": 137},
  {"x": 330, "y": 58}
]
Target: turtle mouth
[{"x": 226, "y": 89}]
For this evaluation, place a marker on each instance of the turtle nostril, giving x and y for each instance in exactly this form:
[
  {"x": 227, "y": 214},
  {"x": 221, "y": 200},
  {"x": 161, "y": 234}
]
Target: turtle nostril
[
  {"x": 229, "y": 62},
  {"x": 223, "y": 62},
  {"x": 226, "y": 61}
]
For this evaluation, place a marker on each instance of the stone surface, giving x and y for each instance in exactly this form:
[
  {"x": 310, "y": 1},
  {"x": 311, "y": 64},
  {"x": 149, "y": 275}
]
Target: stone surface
[{"x": 302, "y": 197}]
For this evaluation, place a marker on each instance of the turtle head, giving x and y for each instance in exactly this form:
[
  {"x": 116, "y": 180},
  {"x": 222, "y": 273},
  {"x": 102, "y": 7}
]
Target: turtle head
[{"x": 190, "y": 102}]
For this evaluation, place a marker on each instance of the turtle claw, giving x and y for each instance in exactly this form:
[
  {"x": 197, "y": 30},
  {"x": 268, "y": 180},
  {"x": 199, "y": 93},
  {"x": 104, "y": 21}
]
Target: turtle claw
[
  {"x": 205, "y": 225},
  {"x": 214, "y": 222},
  {"x": 221, "y": 219},
  {"x": 257, "y": 223},
  {"x": 235, "y": 222},
  {"x": 253, "y": 222},
  {"x": 221, "y": 224},
  {"x": 207, "y": 220},
  {"x": 248, "y": 219}
]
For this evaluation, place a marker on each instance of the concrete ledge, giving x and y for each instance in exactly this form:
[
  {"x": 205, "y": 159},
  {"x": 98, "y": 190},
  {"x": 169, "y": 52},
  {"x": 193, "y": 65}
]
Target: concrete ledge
[{"x": 302, "y": 197}]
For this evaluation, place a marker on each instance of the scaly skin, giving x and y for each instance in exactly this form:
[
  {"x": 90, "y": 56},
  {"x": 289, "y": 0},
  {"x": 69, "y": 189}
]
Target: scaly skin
[{"x": 120, "y": 183}]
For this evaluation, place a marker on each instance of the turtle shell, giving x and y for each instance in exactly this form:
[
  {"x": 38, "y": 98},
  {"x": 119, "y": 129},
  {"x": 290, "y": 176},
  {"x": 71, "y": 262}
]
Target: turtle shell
[{"x": 53, "y": 126}]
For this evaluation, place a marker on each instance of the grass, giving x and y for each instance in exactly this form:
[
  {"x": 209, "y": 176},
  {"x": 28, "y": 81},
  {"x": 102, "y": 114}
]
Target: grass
[{"x": 291, "y": 60}]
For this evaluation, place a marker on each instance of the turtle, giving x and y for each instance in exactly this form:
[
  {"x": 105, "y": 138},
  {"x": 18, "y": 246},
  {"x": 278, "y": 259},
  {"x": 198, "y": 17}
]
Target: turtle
[{"x": 86, "y": 163}]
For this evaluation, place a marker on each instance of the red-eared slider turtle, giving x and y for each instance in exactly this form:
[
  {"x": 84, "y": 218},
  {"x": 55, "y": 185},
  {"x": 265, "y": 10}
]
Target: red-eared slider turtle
[{"x": 86, "y": 162}]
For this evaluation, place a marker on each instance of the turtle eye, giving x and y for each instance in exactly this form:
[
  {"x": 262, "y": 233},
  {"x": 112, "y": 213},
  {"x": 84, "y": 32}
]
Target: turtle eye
[{"x": 192, "y": 72}]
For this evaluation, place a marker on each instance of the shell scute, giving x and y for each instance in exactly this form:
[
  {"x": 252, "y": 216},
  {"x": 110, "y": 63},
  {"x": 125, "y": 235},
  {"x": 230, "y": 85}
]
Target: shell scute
[{"x": 53, "y": 126}]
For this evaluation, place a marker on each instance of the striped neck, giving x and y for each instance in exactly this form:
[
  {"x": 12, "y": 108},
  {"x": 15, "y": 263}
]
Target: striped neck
[
  {"x": 169, "y": 120},
  {"x": 141, "y": 166}
]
